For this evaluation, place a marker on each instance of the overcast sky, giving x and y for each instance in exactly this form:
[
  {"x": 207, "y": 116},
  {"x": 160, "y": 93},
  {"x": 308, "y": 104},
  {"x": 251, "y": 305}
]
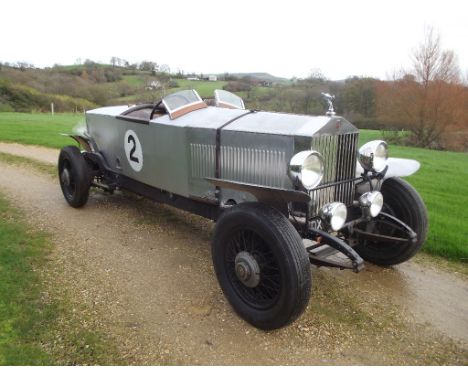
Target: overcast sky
[{"x": 285, "y": 38}]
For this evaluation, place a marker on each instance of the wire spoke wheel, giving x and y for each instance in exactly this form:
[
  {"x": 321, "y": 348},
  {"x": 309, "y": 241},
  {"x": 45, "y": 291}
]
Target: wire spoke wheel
[
  {"x": 261, "y": 265},
  {"x": 252, "y": 269}
]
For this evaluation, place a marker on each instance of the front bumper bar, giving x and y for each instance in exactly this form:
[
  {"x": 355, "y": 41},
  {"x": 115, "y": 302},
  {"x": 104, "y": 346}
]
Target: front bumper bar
[
  {"x": 321, "y": 255},
  {"x": 326, "y": 257}
]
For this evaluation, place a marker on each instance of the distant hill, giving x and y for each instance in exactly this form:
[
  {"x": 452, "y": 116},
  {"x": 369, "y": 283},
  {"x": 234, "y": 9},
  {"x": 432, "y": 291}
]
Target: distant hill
[{"x": 260, "y": 76}]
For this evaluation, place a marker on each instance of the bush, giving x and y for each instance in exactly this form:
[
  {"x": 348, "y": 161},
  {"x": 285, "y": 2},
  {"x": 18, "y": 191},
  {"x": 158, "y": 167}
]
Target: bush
[
  {"x": 5, "y": 107},
  {"x": 173, "y": 84},
  {"x": 25, "y": 99},
  {"x": 369, "y": 124},
  {"x": 237, "y": 86}
]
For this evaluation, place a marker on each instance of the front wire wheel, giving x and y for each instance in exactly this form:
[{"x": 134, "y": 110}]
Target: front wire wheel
[
  {"x": 261, "y": 265},
  {"x": 253, "y": 272}
]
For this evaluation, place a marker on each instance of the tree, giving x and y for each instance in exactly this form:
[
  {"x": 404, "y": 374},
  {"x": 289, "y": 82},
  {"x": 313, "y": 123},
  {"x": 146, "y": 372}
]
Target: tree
[
  {"x": 358, "y": 97},
  {"x": 427, "y": 99},
  {"x": 148, "y": 66},
  {"x": 164, "y": 68},
  {"x": 316, "y": 75}
]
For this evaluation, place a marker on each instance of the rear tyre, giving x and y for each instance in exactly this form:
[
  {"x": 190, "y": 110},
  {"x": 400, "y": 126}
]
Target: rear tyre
[
  {"x": 261, "y": 265},
  {"x": 402, "y": 201},
  {"x": 74, "y": 176}
]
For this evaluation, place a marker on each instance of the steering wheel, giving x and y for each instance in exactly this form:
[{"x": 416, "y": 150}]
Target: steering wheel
[{"x": 154, "y": 109}]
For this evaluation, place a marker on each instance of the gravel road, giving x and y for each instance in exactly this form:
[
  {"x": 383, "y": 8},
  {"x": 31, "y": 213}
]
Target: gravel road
[
  {"x": 145, "y": 271},
  {"x": 39, "y": 153}
]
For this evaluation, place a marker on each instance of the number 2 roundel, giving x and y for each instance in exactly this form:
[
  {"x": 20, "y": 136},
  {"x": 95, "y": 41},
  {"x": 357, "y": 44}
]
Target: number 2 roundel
[{"x": 133, "y": 150}]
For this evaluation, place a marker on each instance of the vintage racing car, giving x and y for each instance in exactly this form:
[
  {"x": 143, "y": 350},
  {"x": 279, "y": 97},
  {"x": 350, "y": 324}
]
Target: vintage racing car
[{"x": 285, "y": 190}]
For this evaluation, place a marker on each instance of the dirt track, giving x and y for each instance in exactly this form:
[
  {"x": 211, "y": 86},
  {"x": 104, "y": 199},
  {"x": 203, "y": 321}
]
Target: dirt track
[
  {"x": 38, "y": 153},
  {"x": 145, "y": 271}
]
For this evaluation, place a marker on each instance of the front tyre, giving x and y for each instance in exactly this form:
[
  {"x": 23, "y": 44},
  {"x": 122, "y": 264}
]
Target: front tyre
[
  {"x": 74, "y": 176},
  {"x": 402, "y": 201},
  {"x": 261, "y": 265}
]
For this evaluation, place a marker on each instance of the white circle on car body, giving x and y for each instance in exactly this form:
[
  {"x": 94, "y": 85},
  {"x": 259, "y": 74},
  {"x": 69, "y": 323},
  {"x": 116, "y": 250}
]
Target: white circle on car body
[{"x": 133, "y": 150}]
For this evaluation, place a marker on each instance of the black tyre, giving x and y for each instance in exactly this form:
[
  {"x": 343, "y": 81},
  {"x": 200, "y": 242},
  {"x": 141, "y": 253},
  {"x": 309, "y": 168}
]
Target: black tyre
[
  {"x": 74, "y": 176},
  {"x": 261, "y": 265},
  {"x": 402, "y": 201}
]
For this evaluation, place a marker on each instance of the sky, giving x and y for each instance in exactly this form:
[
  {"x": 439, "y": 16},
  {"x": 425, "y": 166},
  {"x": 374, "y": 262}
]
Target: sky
[{"x": 285, "y": 38}]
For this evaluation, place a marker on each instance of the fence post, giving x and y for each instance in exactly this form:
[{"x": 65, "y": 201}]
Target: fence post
[{"x": 52, "y": 108}]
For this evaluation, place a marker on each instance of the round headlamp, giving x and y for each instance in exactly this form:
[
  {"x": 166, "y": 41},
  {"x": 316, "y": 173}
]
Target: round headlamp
[
  {"x": 306, "y": 167},
  {"x": 334, "y": 214},
  {"x": 373, "y": 156},
  {"x": 371, "y": 203}
]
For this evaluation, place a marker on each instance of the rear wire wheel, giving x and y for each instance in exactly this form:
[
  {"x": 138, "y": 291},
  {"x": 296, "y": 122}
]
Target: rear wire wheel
[
  {"x": 74, "y": 176},
  {"x": 261, "y": 265}
]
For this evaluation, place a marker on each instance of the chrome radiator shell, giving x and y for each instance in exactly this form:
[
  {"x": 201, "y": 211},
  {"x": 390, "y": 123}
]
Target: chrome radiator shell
[{"x": 340, "y": 154}]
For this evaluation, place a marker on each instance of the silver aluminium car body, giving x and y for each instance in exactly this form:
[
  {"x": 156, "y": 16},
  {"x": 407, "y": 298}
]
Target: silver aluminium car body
[{"x": 179, "y": 155}]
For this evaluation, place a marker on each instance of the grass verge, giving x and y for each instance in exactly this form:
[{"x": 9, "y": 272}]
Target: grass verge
[
  {"x": 22, "y": 313},
  {"x": 38, "y": 129},
  {"x": 36, "y": 327}
]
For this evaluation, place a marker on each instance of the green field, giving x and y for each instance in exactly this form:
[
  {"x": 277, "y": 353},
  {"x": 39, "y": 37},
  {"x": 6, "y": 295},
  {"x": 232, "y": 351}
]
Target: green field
[
  {"x": 134, "y": 80},
  {"x": 38, "y": 129},
  {"x": 22, "y": 318},
  {"x": 442, "y": 179},
  {"x": 204, "y": 88}
]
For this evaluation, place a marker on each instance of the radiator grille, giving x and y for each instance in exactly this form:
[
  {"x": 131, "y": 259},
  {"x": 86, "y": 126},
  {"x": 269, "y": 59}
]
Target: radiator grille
[
  {"x": 249, "y": 165},
  {"x": 339, "y": 154},
  {"x": 256, "y": 166}
]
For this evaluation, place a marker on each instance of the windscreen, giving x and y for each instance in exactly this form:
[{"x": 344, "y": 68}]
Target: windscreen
[
  {"x": 227, "y": 99},
  {"x": 180, "y": 99}
]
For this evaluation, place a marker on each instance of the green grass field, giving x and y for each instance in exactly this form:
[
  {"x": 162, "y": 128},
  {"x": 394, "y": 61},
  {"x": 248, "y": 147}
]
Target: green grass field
[
  {"x": 38, "y": 129},
  {"x": 204, "y": 88},
  {"x": 134, "y": 80},
  {"x": 23, "y": 319},
  {"x": 442, "y": 180}
]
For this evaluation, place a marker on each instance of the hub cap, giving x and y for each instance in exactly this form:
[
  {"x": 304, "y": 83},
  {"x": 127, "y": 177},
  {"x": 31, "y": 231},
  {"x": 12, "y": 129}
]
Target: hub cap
[
  {"x": 67, "y": 181},
  {"x": 247, "y": 269},
  {"x": 65, "y": 177}
]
